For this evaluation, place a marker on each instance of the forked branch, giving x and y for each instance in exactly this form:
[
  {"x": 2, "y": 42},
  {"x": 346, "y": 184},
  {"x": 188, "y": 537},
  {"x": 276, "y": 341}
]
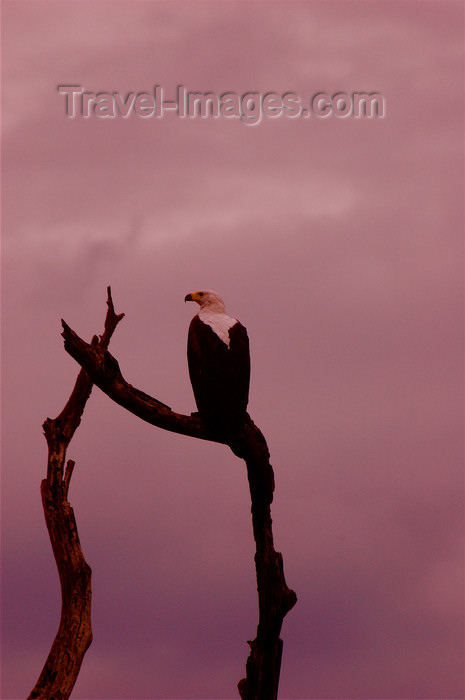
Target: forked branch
[
  {"x": 74, "y": 636},
  {"x": 274, "y": 597},
  {"x": 75, "y": 632}
]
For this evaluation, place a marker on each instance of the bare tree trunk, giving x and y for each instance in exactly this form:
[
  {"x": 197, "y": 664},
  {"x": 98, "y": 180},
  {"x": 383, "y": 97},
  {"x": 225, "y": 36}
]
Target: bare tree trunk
[
  {"x": 274, "y": 597},
  {"x": 74, "y": 635}
]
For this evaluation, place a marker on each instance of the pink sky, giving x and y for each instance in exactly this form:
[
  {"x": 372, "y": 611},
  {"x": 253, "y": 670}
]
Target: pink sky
[{"x": 339, "y": 244}]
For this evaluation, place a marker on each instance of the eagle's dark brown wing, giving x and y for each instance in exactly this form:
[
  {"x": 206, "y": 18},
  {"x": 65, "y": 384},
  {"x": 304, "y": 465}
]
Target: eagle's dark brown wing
[{"x": 220, "y": 376}]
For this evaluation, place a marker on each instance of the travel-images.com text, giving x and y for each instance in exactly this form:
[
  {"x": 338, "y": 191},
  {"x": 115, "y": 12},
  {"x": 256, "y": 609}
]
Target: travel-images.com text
[{"x": 249, "y": 107}]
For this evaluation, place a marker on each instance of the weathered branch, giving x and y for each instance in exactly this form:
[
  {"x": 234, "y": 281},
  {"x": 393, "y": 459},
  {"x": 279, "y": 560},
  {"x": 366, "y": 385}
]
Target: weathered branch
[
  {"x": 106, "y": 374},
  {"x": 275, "y": 598},
  {"x": 74, "y": 634}
]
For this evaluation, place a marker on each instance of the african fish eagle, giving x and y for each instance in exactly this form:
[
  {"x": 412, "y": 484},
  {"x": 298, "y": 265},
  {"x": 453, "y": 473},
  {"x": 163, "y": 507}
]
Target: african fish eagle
[{"x": 219, "y": 364}]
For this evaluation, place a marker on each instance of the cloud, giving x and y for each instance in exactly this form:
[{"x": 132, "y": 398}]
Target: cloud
[{"x": 337, "y": 244}]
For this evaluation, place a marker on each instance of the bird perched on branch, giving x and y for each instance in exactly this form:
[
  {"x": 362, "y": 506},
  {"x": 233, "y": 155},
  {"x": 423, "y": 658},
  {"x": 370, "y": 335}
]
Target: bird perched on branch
[{"x": 219, "y": 364}]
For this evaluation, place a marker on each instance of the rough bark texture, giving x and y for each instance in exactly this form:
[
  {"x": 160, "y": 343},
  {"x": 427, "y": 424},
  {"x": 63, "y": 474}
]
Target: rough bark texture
[
  {"x": 74, "y": 634},
  {"x": 275, "y": 598}
]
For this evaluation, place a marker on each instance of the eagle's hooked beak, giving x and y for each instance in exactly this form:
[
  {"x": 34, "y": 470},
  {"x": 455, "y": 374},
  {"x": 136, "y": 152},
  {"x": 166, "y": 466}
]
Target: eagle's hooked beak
[{"x": 188, "y": 297}]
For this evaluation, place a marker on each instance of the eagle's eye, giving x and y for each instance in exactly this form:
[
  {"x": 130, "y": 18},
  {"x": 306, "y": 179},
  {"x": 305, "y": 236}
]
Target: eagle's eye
[{"x": 200, "y": 294}]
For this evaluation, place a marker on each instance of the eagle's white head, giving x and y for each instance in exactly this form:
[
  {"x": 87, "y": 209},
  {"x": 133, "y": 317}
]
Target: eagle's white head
[{"x": 207, "y": 299}]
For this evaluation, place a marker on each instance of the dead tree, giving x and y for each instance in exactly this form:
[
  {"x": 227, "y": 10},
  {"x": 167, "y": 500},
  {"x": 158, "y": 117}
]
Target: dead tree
[
  {"x": 74, "y": 634},
  {"x": 274, "y": 597}
]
